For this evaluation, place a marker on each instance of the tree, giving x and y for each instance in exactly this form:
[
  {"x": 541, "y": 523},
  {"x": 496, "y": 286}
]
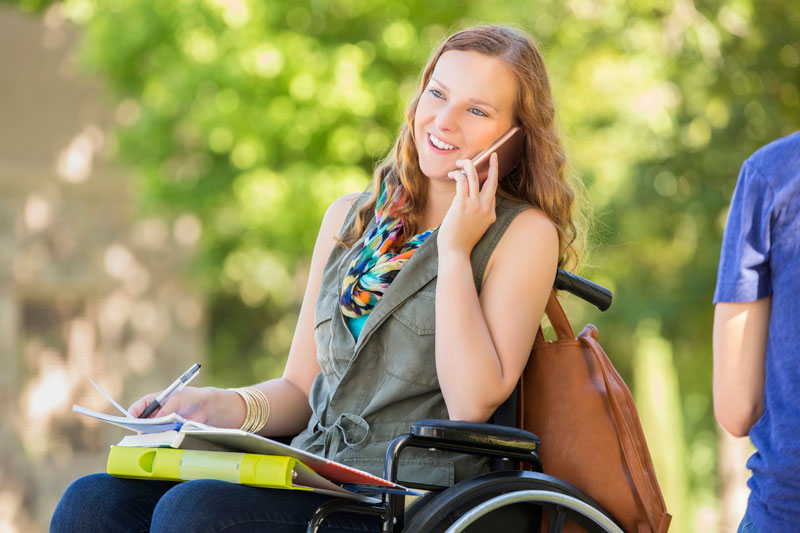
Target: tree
[{"x": 251, "y": 117}]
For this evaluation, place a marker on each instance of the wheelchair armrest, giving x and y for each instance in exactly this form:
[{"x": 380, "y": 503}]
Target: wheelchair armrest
[{"x": 476, "y": 434}]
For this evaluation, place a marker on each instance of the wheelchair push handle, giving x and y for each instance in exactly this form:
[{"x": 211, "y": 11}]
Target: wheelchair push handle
[{"x": 584, "y": 289}]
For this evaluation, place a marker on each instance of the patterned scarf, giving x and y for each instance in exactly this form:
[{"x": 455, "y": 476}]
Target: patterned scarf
[{"x": 374, "y": 268}]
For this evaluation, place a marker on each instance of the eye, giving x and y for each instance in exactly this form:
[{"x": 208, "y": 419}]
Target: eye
[
  {"x": 436, "y": 93},
  {"x": 478, "y": 112}
]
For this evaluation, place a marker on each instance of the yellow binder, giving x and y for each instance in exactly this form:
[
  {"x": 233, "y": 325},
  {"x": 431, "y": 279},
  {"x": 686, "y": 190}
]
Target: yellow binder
[{"x": 168, "y": 464}]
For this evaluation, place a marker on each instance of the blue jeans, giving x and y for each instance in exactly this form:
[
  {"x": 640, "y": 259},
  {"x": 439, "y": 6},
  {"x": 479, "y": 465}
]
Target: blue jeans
[{"x": 103, "y": 503}]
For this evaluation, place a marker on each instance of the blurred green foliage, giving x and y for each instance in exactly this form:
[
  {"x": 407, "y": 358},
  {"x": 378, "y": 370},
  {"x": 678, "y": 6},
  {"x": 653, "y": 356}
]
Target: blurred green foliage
[
  {"x": 254, "y": 116},
  {"x": 31, "y": 6}
]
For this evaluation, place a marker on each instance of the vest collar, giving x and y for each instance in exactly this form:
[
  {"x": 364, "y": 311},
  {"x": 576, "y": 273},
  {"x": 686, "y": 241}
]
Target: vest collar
[{"x": 420, "y": 269}]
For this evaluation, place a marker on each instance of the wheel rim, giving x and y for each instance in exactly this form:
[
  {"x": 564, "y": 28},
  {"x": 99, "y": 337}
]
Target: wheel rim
[{"x": 534, "y": 496}]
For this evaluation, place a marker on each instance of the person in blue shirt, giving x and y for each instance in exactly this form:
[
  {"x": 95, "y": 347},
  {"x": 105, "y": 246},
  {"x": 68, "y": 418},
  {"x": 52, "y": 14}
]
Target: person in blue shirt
[{"x": 757, "y": 332}]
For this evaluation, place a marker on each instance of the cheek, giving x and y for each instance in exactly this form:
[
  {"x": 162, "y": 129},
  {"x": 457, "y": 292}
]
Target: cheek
[
  {"x": 425, "y": 110},
  {"x": 486, "y": 137},
  {"x": 421, "y": 119},
  {"x": 417, "y": 122}
]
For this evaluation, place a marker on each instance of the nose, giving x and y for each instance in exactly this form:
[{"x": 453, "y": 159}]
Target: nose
[{"x": 445, "y": 118}]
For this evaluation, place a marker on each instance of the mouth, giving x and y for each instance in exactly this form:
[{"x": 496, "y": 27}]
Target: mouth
[{"x": 439, "y": 146}]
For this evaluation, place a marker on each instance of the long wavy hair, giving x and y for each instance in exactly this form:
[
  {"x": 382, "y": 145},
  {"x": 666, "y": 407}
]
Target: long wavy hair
[{"x": 541, "y": 178}]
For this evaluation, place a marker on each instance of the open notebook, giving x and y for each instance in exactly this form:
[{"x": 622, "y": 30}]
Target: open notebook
[{"x": 174, "y": 431}]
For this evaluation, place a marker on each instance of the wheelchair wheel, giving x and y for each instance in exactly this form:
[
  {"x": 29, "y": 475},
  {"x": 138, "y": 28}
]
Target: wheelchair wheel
[{"x": 510, "y": 501}]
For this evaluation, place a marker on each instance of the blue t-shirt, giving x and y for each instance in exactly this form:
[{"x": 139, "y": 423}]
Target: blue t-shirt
[{"x": 761, "y": 257}]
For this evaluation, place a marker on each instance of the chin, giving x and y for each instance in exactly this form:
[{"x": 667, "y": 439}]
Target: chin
[{"x": 434, "y": 173}]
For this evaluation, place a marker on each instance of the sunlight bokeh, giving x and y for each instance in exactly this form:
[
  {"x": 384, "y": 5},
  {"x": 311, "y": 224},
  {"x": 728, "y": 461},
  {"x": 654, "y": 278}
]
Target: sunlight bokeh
[{"x": 162, "y": 188}]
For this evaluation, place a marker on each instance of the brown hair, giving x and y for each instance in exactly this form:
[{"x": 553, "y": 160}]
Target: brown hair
[{"x": 541, "y": 179}]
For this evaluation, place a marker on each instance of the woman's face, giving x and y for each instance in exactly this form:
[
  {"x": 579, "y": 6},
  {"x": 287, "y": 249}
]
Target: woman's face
[{"x": 468, "y": 103}]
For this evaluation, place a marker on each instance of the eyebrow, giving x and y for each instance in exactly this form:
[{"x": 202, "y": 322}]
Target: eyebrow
[{"x": 473, "y": 100}]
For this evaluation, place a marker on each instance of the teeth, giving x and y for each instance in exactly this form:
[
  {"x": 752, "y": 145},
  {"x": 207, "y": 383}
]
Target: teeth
[{"x": 440, "y": 144}]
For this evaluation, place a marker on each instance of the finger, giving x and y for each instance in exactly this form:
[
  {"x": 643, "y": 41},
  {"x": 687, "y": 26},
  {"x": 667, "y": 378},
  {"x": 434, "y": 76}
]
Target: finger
[
  {"x": 173, "y": 404},
  {"x": 462, "y": 189},
  {"x": 490, "y": 185},
  {"x": 139, "y": 405},
  {"x": 472, "y": 176}
]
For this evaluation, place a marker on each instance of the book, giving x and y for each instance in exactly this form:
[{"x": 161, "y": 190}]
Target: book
[
  {"x": 174, "y": 431},
  {"x": 172, "y": 421},
  {"x": 267, "y": 471},
  {"x": 169, "y": 439}
]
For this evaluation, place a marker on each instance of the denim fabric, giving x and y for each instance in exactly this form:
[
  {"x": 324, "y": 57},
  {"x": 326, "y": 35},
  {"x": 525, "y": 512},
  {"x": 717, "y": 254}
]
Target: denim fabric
[
  {"x": 103, "y": 503},
  {"x": 746, "y": 525}
]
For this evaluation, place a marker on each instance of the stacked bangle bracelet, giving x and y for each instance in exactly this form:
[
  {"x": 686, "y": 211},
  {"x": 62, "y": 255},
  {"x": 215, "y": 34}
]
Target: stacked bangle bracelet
[{"x": 257, "y": 409}]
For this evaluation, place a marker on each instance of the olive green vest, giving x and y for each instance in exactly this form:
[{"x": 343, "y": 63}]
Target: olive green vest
[{"x": 373, "y": 389}]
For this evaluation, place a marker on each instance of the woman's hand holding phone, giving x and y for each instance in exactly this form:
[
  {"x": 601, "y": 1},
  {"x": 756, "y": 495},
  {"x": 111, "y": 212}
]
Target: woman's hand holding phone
[{"x": 472, "y": 210}]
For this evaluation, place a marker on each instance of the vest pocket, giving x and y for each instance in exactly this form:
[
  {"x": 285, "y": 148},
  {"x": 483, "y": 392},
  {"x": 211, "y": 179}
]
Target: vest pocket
[
  {"x": 333, "y": 340},
  {"x": 409, "y": 347},
  {"x": 419, "y": 313},
  {"x": 323, "y": 334}
]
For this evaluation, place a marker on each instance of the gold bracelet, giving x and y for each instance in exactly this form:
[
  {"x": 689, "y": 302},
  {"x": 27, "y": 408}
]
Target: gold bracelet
[
  {"x": 257, "y": 409},
  {"x": 257, "y": 406}
]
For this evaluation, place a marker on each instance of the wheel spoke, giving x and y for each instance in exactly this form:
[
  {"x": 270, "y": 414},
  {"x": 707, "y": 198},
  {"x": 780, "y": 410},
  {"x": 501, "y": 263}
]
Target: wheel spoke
[{"x": 558, "y": 517}]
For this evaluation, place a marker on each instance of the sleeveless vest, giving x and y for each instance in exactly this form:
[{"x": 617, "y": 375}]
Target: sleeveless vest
[{"x": 371, "y": 390}]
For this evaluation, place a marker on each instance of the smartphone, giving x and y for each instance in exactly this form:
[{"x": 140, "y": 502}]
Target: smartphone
[{"x": 509, "y": 154}]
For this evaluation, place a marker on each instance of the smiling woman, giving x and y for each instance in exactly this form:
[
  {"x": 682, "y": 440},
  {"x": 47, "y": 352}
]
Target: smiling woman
[
  {"x": 422, "y": 301},
  {"x": 497, "y": 76},
  {"x": 459, "y": 114}
]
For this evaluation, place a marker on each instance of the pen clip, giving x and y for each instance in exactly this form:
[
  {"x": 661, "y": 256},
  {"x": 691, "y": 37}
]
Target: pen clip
[
  {"x": 110, "y": 399},
  {"x": 184, "y": 383}
]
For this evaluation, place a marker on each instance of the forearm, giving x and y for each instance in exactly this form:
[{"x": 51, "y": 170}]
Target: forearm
[
  {"x": 469, "y": 371},
  {"x": 740, "y": 345},
  {"x": 289, "y": 408}
]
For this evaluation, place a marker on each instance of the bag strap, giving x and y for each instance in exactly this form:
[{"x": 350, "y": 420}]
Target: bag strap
[
  {"x": 624, "y": 411},
  {"x": 619, "y": 402},
  {"x": 560, "y": 322},
  {"x": 558, "y": 319}
]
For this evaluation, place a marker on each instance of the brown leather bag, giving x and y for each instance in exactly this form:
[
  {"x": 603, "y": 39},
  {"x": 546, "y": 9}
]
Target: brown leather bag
[{"x": 572, "y": 397}]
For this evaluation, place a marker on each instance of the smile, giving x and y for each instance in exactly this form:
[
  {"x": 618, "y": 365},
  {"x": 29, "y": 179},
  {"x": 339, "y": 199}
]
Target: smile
[{"x": 440, "y": 144}]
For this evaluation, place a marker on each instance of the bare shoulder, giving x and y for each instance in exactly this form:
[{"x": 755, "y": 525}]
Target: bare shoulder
[
  {"x": 337, "y": 213},
  {"x": 345, "y": 201},
  {"x": 531, "y": 231},
  {"x": 532, "y": 223},
  {"x": 341, "y": 206},
  {"x": 531, "y": 238}
]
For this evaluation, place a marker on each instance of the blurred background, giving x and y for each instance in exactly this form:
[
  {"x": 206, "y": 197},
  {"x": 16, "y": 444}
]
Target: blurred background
[{"x": 164, "y": 167}]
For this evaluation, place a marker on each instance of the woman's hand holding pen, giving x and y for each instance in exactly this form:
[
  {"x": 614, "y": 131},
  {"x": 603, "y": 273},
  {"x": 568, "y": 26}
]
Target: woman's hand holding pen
[
  {"x": 472, "y": 210},
  {"x": 207, "y": 405}
]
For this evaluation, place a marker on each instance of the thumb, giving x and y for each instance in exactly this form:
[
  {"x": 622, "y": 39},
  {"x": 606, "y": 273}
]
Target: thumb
[{"x": 138, "y": 407}]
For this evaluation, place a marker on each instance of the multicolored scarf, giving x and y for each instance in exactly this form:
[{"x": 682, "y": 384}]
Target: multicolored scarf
[{"x": 374, "y": 267}]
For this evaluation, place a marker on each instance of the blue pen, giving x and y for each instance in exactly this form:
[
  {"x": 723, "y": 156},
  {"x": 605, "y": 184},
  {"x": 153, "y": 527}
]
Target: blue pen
[{"x": 177, "y": 385}]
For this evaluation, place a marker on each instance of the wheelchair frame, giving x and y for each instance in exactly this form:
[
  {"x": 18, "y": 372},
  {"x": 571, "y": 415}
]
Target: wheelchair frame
[{"x": 488, "y": 502}]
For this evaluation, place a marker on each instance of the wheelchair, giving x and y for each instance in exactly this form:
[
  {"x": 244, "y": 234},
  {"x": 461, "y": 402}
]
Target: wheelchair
[{"x": 508, "y": 498}]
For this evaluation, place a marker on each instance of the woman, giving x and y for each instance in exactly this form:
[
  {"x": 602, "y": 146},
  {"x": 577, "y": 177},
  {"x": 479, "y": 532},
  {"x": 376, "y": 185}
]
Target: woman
[{"x": 378, "y": 346}]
